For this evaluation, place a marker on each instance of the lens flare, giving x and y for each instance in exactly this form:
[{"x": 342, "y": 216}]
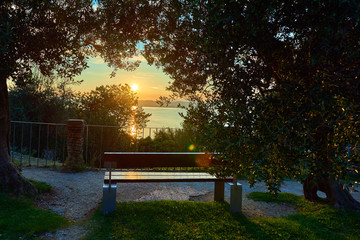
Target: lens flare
[{"x": 191, "y": 147}]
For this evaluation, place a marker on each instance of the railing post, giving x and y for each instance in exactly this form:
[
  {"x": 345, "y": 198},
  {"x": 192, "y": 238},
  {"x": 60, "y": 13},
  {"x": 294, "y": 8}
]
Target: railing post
[
  {"x": 63, "y": 150},
  {"x": 38, "y": 157},
  {"x": 101, "y": 146},
  {"x": 56, "y": 133},
  {"x": 21, "y": 146},
  {"x": 30, "y": 144},
  {"x": 87, "y": 144},
  {"x": 47, "y": 143},
  {"x": 14, "y": 135}
]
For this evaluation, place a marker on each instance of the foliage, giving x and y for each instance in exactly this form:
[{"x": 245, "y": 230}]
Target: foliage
[
  {"x": 20, "y": 219},
  {"x": 55, "y": 36},
  {"x": 276, "y": 84},
  {"x": 114, "y": 105},
  {"x": 199, "y": 220},
  {"x": 37, "y": 98},
  {"x": 51, "y": 36},
  {"x": 168, "y": 140}
]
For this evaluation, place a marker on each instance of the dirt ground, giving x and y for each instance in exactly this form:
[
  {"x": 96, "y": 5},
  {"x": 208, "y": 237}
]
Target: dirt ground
[{"x": 76, "y": 195}]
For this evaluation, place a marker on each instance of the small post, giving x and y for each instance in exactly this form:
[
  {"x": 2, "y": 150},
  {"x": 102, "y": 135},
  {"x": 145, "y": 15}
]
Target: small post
[{"x": 235, "y": 197}]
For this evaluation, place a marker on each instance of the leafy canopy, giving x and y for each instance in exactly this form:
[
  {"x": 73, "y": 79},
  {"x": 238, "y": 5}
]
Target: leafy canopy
[
  {"x": 114, "y": 105},
  {"x": 276, "y": 84}
]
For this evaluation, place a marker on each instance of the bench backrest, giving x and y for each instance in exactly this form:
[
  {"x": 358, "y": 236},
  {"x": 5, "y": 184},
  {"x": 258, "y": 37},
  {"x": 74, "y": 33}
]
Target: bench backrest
[{"x": 157, "y": 159}]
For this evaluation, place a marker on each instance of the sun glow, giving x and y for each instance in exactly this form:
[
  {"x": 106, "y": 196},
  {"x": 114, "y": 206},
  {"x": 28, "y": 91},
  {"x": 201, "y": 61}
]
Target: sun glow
[{"x": 134, "y": 87}]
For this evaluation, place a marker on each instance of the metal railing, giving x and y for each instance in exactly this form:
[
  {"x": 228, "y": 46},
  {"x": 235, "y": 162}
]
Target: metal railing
[
  {"x": 44, "y": 144},
  {"x": 37, "y": 143}
]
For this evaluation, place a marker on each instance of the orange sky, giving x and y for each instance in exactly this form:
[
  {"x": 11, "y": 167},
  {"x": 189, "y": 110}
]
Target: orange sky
[{"x": 151, "y": 81}]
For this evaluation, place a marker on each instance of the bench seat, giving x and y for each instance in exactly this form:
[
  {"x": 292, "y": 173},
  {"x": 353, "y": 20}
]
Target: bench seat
[
  {"x": 136, "y": 167},
  {"x": 137, "y": 176}
]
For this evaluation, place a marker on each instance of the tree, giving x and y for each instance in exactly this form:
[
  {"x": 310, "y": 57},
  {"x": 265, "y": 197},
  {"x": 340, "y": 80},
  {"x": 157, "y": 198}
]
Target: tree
[
  {"x": 40, "y": 99},
  {"x": 276, "y": 84},
  {"x": 114, "y": 105},
  {"x": 53, "y": 36}
]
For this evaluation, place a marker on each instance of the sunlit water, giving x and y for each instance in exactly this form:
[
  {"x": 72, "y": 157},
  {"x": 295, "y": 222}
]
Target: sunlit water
[{"x": 164, "y": 117}]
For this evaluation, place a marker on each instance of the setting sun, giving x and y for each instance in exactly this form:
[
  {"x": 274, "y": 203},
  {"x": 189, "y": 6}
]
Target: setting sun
[{"x": 134, "y": 87}]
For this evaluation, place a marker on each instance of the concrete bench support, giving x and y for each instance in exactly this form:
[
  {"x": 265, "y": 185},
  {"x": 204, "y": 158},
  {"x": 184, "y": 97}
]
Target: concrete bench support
[
  {"x": 235, "y": 198},
  {"x": 109, "y": 198},
  {"x": 219, "y": 191}
]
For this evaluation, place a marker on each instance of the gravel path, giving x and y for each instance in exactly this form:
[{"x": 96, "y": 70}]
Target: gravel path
[{"x": 76, "y": 195}]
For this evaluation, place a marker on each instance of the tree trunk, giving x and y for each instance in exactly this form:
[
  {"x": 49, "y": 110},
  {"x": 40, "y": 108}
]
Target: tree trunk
[
  {"x": 335, "y": 192},
  {"x": 10, "y": 178}
]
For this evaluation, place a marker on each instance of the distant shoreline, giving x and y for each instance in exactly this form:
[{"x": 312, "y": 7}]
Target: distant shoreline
[{"x": 152, "y": 103}]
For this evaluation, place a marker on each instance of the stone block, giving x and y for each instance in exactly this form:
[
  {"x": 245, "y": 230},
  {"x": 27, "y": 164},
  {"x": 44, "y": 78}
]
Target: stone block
[
  {"x": 109, "y": 198},
  {"x": 235, "y": 198}
]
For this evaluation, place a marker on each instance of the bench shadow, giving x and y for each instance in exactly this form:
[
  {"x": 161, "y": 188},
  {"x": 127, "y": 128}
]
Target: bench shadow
[{"x": 168, "y": 219}]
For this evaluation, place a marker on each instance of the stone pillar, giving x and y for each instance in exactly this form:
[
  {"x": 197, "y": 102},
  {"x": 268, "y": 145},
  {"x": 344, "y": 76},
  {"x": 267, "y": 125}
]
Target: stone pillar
[{"x": 75, "y": 139}]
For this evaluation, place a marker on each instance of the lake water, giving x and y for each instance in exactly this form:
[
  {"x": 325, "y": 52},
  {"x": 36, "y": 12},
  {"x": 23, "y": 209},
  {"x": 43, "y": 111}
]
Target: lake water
[{"x": 164, "y": 117}]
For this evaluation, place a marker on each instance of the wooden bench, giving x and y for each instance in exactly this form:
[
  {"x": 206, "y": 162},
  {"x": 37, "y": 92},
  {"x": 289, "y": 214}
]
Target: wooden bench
[{"x": 136, "y": 167}]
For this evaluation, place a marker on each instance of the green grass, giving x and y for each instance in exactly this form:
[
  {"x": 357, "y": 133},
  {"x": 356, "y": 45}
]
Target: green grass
[
  {"x": 313, "y": 220},
  {"x": 267, "y": 197},
  {"x": 19, "y": 219},
  {"x": 40, "y": 186},
  {"x": 172, "y": 220},
  {"x": 200, "y": 220}
]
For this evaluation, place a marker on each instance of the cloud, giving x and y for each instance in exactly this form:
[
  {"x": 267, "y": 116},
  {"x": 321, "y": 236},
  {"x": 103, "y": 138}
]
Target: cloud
[
  {"x": 97, "y": 60},
  {"x": 138, "y": 58},
  {"x": 137, "y": 76},
  {"x": 100, "y": 60}
]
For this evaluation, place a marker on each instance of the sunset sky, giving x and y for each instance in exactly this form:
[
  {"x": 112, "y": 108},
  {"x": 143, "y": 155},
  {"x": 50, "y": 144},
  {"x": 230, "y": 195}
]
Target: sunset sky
[{"x": 150, "y": 80}]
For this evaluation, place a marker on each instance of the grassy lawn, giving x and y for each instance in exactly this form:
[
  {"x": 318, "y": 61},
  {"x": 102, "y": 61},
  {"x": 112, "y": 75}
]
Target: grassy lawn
[
  {"x": 200, "y": 220},
  {"x": 19, "y": 219}
]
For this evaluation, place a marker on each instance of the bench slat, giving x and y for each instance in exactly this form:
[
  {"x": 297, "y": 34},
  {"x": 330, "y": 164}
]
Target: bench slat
[
  {"x": 162, "y": 177},
  {"x": 156, "y": 159}
]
